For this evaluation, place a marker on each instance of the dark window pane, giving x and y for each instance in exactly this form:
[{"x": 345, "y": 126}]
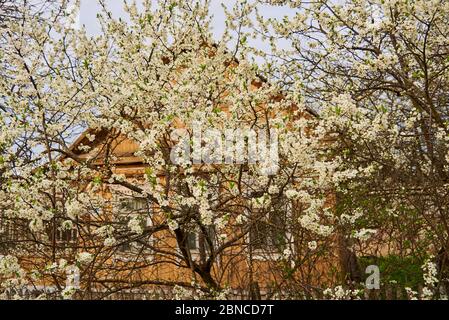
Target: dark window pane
[{"x": 192, "y": 243}]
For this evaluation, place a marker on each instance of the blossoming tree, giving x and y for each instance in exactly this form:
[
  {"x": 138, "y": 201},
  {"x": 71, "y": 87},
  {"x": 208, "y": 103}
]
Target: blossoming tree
[
  {"x": 68, "y": 212},
  {"x": 365, "y": 176},
  {"x": 378, "y": 73}
]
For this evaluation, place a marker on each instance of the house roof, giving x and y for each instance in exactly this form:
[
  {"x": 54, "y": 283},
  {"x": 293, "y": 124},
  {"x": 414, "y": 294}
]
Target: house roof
[{"x": 102, "y": 133}]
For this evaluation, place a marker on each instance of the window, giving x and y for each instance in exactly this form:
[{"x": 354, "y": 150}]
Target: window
[
  {"x": 196, "y": 240},
  {"x": 130, "y": 207},
  {"x": 13, "y": 231},
  {"x": 192, "y": 240},
  {"x": 9, "y": 233},
  {"x": 271, "y": 233},
  {"x": 134, "y": 205},
  {"x": 124, "y": 247},
  {"x": 66, "y": 236}
]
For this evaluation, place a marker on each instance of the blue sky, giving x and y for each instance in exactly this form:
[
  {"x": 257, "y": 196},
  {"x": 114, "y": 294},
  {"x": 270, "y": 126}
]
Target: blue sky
[{"x": 89, "y": 9}]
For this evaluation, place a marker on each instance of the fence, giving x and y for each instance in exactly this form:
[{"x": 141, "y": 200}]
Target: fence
[{"x": 386, "y": 292}]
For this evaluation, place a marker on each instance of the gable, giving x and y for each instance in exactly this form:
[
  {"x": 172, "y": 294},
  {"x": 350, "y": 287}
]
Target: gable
[{"x": 97, "y": 144}]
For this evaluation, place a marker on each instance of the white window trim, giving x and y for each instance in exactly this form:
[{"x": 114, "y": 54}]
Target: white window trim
[{"x": 72, "y": 240}]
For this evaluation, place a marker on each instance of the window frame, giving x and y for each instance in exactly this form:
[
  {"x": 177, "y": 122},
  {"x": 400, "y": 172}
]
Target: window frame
[
  {"x": 271, "y": 252},
  {"x": 127, "y": 254}
]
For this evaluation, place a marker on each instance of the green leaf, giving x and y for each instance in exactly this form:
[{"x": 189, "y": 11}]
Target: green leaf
[
  {"x": 172, "y": 6},
  {"x": 417, "y": 74},
  {"x": 338, "y": 111},
  {"x": 97, "y": 180},
  {"x": 169, "y": 118},
  {"x": 39, "y": 172},
  {"x": 150, "y": 176},
  {"x": 202, "y": 185},
  {"x": 149, "y": 171}
]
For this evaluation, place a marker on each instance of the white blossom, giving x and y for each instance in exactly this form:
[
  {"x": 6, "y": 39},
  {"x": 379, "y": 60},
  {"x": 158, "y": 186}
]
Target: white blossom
[{"x": 84, "y": 257}]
